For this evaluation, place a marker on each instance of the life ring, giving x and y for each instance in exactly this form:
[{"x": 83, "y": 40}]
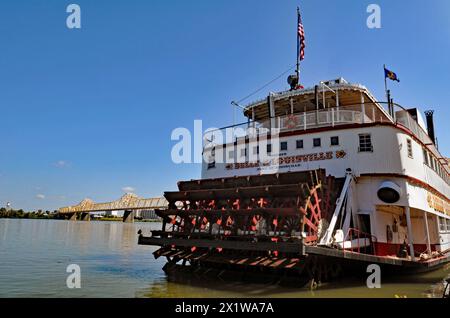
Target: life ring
[{"x": 291, "y": 122}]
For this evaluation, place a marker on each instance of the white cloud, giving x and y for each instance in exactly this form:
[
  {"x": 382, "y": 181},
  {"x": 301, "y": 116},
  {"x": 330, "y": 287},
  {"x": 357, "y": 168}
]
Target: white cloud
[
  {"x": 62, "y": 164},
  {"x": 128, "y": 189},
  {"x": 40, "y": 196}
]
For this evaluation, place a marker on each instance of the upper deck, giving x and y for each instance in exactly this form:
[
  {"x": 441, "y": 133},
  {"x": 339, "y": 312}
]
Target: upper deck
[
  {"x": 327, "y": 106},
  {"x": 327, "y": 95}
]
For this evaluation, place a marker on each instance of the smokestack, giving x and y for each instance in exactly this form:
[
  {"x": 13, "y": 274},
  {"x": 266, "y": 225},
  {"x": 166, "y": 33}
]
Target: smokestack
[{"x": 430, "y": 125}]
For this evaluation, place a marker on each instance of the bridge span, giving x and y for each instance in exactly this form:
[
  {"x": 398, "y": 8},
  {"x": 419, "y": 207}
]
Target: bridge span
[{"x": 129, "y": 203}]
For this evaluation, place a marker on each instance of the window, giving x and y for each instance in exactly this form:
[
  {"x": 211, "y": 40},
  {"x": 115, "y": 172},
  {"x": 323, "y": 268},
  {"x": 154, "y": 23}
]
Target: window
[
  {"x": 244, "y": 152},
  {"x": 231, "y": 154},
  {"x": 448, "y": 225},
  {"x": 334, "y": 141},
  {"x": 425, "y": 157},
  {"x": 442, "y": 224},
  {"x": 299, "y": 144},
  {"x": 365, "y": 143},
  {"x": 283, "y": 146},
  {"x": 269, "y": 148},
  {"x": 316, "y": 142},
  {"x": 409, "y": 147},
  {"x": 256, "y": 150}
]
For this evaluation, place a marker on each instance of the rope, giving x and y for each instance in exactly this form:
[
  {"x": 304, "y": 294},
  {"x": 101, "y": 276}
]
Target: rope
[{"x": 265, "y": 85}]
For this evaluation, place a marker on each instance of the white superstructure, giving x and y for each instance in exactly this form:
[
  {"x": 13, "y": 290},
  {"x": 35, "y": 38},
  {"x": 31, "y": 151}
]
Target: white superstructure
[{"x": 400, "y": 190}]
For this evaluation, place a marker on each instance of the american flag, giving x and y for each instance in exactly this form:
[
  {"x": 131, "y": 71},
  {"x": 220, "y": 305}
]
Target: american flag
[{"x": 301, "y": 37}]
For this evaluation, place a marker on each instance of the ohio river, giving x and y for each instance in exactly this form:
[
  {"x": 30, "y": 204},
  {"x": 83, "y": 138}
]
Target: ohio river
[{"x": 35, "y": 254}]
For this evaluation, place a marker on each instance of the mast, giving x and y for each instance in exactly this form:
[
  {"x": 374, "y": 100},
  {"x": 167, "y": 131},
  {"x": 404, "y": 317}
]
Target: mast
[{"x": 297, "y": 70}]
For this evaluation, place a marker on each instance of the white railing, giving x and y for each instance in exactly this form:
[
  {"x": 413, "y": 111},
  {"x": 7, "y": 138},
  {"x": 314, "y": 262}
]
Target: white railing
[
  {"x": 323, "y": 118},
  {"x": 329, "y": 117},
  {"x": 405, "y": 119}
]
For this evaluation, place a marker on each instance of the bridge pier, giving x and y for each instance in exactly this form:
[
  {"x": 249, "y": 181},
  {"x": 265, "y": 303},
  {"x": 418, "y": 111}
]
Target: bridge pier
[
  {"x": 72, "y": 217},
  {"x": 128, "y": 216},
  {"x": 85, "y": 216}
]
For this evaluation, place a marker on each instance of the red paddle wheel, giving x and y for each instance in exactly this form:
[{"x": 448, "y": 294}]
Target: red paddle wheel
[{"x": 263, "y": 221}]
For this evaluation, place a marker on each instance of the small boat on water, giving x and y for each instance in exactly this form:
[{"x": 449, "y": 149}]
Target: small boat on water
[{"x": 317, "y": 182}]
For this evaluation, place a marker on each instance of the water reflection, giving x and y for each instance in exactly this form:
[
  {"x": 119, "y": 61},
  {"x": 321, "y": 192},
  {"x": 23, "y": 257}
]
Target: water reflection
[
  {"x": 424, "y": 285},
  {"x": 34, "y": 255}
]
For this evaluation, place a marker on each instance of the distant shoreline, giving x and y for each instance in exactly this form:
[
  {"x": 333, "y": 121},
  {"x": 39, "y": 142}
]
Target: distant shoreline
[
  {"x": 47, "y": 215},
  {"x": 92, "y": 220}
]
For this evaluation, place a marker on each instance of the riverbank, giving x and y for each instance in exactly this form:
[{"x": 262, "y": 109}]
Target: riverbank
[
  {"x": 47, "y": 215},
  {"x": 21, "y": 214}
]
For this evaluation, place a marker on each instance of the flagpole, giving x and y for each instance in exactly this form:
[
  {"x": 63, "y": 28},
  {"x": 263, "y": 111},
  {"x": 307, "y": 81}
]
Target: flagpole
[
  {"x": 297, "y": 71},
  {"x": 385, "y": 82}
]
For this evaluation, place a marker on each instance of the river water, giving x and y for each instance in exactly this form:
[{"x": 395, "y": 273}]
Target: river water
[{"x": 35, "y": 254}]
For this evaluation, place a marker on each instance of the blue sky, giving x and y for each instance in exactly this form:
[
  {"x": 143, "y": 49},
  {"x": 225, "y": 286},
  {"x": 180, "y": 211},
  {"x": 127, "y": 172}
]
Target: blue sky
[{"x": 85, "y": 113}]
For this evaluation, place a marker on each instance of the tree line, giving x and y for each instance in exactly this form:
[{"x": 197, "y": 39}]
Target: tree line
[{"x": 21, "y": 214}]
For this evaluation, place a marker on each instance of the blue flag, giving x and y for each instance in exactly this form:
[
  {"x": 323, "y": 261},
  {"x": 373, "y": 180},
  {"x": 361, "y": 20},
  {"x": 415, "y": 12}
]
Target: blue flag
[{"x": 391, "y": 75}]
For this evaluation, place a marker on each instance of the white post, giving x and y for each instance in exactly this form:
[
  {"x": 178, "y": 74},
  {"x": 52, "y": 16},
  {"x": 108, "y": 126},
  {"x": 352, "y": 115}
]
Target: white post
[
  {"x": 363, "y": 109},
  {"x": 317, "y": 107},
  {"x": 271, "y": 111},
  {"x": 304, "y": 120},
  {"x": 323, "y": 97},
  {"x": 410, "y": 236},
  {"x": 332, "y": 117},
  {"x": 337, "y": 104},
  {"x": 425, "y": 215}
]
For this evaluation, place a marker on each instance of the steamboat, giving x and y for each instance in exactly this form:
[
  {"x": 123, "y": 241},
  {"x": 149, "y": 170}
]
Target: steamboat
[{"x": 317, "y": 182}]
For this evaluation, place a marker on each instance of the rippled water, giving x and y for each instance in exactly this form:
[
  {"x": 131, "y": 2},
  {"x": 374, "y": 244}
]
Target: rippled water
[{"x": 34, "y": 255}]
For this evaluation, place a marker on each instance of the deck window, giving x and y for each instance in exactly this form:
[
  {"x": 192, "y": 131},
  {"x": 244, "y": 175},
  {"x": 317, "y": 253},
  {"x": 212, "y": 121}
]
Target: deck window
[
  {"x": 269, "y": 148},
  {"x": 442, "y": 224},
  {"x": 283, "y": 146},
  {"x": 299, "y": 144},
  {"x": 231, "y": 154},
  {"x": 334, "y": 141},
  {"x": 316, "y": 142},
  {"x": 365, "y": 143},
  {"x": 409, "y": 147},
  {"x": 425, "y": 157}
]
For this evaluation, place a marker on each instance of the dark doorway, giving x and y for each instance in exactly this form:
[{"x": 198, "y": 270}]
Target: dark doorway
[{"x": 364, "y": 223}]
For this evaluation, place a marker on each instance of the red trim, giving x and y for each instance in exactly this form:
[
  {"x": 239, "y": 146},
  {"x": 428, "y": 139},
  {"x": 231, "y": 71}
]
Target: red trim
[
  {"x": 411, "y": 180},
  {"x": 385, "y": 249}
]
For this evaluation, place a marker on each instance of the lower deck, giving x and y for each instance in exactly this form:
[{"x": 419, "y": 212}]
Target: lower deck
[{"x": 299, "y": 222}]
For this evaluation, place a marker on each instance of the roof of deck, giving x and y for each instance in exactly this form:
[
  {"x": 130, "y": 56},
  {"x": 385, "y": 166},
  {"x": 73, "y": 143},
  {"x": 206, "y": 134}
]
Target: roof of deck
[{"x": 304, "y": 99}]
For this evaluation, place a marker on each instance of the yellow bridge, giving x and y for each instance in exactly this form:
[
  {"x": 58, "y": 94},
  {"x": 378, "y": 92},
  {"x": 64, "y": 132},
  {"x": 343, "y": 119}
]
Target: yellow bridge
[{"x": 129, "y": 203}]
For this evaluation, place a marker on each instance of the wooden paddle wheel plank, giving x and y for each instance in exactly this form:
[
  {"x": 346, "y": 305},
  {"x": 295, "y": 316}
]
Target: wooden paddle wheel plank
[{"x": 233, "y": 245}]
